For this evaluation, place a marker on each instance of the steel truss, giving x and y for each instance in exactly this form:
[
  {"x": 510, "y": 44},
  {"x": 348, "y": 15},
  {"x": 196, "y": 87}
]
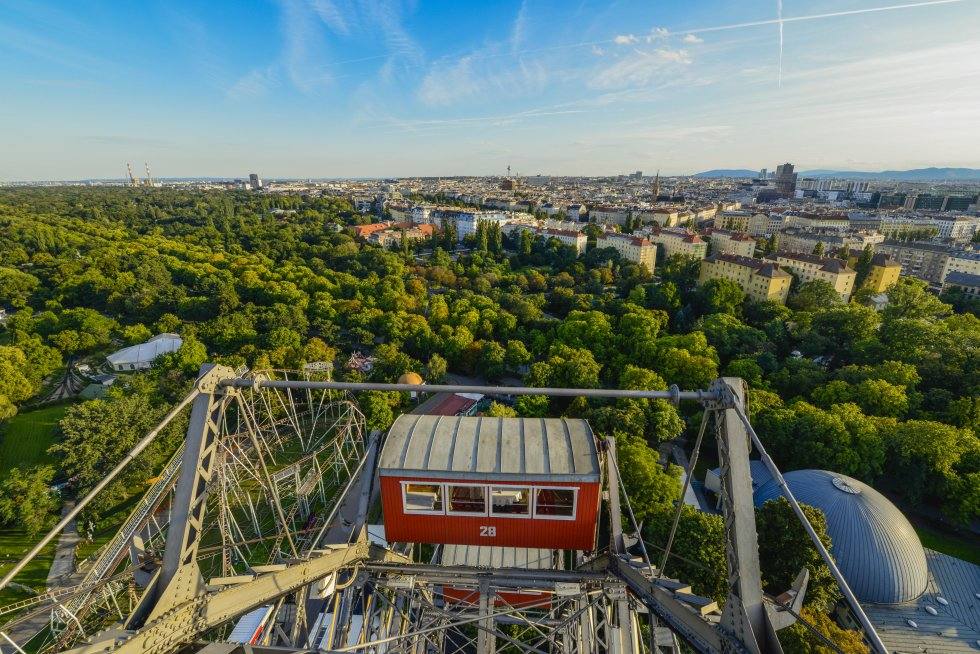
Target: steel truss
[{"x": 266, "y": 507}]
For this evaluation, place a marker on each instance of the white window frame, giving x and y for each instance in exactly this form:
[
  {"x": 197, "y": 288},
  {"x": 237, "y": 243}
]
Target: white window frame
[
  {"x": 574, "y": 490},
  {"x": 447, "y": 502},
  {"x": 415, "y": 482},
  {"x": 530, "y": 502}
]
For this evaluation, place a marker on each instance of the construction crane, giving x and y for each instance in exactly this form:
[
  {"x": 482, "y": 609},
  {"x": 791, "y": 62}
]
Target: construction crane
[{"x": 261, "y": 519}]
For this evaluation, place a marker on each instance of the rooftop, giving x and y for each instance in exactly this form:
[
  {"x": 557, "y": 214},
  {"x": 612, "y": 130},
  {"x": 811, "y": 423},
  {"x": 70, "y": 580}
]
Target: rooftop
[
  {"x": 830, "y": 264},
  {"x": 468, "y": 448},
  {"x": 963, "y": 279},
  {"x": 761, "y": 266}
]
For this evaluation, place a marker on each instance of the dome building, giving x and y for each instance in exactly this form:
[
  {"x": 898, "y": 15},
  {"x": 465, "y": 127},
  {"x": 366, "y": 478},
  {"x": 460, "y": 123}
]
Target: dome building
[
  {"x": 874, "y": 545},
  {"x": 412, "y": 378}
]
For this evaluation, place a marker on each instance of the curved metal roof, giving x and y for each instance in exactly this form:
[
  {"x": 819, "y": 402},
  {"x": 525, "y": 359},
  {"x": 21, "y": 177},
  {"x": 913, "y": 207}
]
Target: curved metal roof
[
  {"x": 491, "y": 448},
  {"x": 874, "y": 545}
]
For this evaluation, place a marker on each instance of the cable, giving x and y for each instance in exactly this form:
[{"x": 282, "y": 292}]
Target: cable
[
  {"x": 806, "y": 623},
  {"x": 687, "y": 483}
]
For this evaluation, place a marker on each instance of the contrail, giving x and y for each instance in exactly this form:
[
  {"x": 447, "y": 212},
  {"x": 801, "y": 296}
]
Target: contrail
[
  {"x": 832, "y": 14},
  {"x": 779, "y": 68}
]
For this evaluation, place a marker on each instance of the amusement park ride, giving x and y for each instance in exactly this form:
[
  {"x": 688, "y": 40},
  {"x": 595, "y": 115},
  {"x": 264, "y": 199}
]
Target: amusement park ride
[{"x": 499, "y": 534}]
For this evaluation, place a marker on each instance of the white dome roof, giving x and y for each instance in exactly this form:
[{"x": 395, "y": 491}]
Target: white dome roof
[{"x": 874, "y": 545}]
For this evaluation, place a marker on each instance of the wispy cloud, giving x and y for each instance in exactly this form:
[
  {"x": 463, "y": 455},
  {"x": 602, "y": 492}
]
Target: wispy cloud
[
  {"x": 641, "y": 68},
  {"x": 518, "y": 31},
  {"x": 330, "y": 14},
  {"x": 692, "y": 38},
  {"x": 625, "y": 39},
  {"x": 472, "y": 76},
  {"x": 304, "y": 55},
  {"x": 254, "y": 83}
]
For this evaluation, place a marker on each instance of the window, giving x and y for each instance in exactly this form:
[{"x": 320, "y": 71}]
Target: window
[
  {"x": 467, "y": 499},
  {"x": 510, "y": 501},
  {"x": 422, "y": 498},
  {"x": 555, "y": 503}
]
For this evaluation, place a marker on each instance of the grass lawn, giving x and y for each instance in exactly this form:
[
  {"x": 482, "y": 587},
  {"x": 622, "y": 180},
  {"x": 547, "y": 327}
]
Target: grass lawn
[
  {"x": 25, "y": 438},
  {"x": 110, "y": 523},
  {"x": 962, "y": 547},
  {"x": 13, "y": 545}
]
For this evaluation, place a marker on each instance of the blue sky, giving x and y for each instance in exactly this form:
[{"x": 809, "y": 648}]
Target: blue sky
[{"x": 329, "y": 88}]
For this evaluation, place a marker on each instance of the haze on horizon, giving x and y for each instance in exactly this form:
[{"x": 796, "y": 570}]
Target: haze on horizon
[{"x": 348, "y": 88}]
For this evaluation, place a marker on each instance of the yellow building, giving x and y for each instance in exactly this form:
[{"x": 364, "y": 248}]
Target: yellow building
[
  {"x": 677, "y": 241},
  {"x": 632, "y": 248},
  {"x": 884, "y": 272},
  {"x": 810, "y": 267},
  {"x": 761, "y": 280}
]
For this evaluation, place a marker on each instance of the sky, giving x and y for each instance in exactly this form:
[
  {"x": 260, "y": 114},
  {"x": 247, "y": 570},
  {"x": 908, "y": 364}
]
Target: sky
[{"x": 362, "y": 88}]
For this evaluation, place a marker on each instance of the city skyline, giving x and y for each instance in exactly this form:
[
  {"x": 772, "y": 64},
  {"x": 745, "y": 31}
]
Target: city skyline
[{"x": 356, "y": 89}]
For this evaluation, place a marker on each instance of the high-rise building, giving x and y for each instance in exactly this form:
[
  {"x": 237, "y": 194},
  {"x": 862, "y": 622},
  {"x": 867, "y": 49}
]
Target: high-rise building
[
  {"x": 254, "y": 181},
  {"x": 785, "y": 180},
  {"x": 763, "y": 173}
]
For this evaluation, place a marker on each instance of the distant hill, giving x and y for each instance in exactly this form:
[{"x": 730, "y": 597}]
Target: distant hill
[
  {"x": 728, "y": 172},
  {"x": 916, "y": 175}
]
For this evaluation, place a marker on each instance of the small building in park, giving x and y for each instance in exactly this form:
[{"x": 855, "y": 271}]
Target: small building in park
[
  {"x": 505, "y": 482},
  {"x": 140, "y": 357}
]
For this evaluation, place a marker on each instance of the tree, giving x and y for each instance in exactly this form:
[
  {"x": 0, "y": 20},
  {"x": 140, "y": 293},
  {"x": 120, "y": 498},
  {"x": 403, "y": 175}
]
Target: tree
[
  {"x": 26, "y": 499},
  {"x": 838, "y": 331},
  {"x": 16, "y": 286},
  {"x": 436, "y": 369},
  {"x": 698, "y": 553},
  {"x": 722, "y": 296},
  {"x": 15, "y": 387},
  {"x": 650, "y": 488},
  {"x": 797, "y": 639},
  {"x": 923, "y": 456},
  {"x": 818, "y": 249},
  {"x": 378, "y": 409},
  {"x": 138, "y": 333},
  {"x": 98, "y": 433},
  {"x": 730, "y": 336},
  {"x": 785, "y": 549},
  {"x": 863, "y": 265},
  {"x": 498, "y": 410},
  {"x": 910, "y": 298},
  {"x": 813, "y": 296},
  {"x": 842, "y": 439}
]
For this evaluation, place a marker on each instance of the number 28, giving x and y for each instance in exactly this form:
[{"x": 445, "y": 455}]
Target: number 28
[{"x": 488, "y": 530}]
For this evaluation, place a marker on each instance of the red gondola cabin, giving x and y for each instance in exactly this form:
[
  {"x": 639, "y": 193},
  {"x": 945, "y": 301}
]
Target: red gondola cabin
[{"x": 512, "y": 482}]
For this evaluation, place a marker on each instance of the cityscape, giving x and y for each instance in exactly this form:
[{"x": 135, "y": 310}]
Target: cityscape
[{"x": 407, "y": 327}]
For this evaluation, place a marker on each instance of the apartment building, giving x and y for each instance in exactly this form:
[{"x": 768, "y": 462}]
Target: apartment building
[
  {"x": 467, "y": 220},
  {"x": 809, "y": 267},
  {"x": 632, "y": 248},
  {"x": 724, "y": 241},
  {"x": 794, "y": 239},
  {"x": 677, "y": 241},
  {"x": 574, "y": 239},
  {"x": 969, "y": 284},
  {"x": 962, "y": 262},
  {"x": 928, "y": 261},
  {"x": 607, "y": 215},
  {"x": 761, "y": 224},
  {"x": 812, "y": 222},
  {"x": 760, "y": 279},
  {"x": 736, "y": 221},
  {"x": 884, "y": 272},
  {"x": 393, "y": 235}
]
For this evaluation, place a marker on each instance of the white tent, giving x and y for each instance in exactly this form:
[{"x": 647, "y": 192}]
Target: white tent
[{"x": 140, "y": 357}]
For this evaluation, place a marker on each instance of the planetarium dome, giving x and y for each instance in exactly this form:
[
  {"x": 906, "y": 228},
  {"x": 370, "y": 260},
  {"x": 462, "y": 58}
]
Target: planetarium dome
[{"x": 874, "y": 545}]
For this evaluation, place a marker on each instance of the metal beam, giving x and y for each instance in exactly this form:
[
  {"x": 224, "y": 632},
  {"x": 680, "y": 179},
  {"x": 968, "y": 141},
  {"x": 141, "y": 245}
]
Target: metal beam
[
  {"x": 744, "y": 615},
  {"x": 195, "y": 616},
  {"x": 673, "y": 394}
]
